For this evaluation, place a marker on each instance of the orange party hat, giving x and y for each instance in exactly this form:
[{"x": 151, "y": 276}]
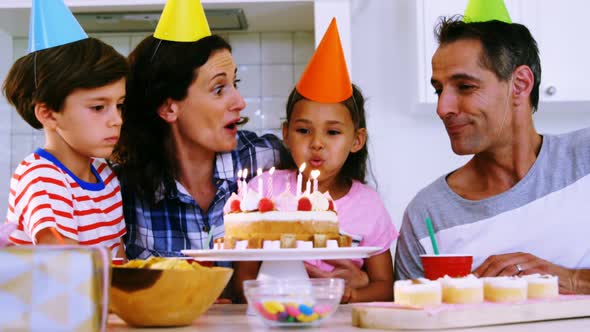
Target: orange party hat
[{"x": 326, "y": 79}]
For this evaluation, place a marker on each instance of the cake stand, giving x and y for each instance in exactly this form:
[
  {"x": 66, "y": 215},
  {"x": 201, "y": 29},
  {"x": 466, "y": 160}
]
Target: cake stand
[{"x": 281, "y": 263}]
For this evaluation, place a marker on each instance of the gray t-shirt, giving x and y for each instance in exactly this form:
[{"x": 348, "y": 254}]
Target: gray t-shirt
[{"x": 547, "y": 213}]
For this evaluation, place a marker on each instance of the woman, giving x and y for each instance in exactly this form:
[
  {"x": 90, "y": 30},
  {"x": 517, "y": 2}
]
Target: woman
[{"x": 180, "y": 147}]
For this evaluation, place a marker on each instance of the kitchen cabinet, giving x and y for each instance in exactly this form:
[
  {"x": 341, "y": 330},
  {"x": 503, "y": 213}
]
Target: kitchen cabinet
[
  {"x": 555, "y": 26},
  {"x": 560, "y": 29}
]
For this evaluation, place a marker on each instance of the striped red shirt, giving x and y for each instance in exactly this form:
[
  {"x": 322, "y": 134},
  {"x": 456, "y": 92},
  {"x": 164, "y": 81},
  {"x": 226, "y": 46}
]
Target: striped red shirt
[{"x": 44, "y": 193}]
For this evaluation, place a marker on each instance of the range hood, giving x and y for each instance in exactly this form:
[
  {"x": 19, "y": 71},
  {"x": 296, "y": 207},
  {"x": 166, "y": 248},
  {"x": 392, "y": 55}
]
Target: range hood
[{"x": 100, "y": 22}]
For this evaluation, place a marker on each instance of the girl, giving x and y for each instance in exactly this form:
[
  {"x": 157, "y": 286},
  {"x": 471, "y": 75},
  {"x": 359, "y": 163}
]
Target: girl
[
  {"x": 331, "y": 137},
  {"x": 61, "y": 194},
  {"x": 326, "y": 129}
]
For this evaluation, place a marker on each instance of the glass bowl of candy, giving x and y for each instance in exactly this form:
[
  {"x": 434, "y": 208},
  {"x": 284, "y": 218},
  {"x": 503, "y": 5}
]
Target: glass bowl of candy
[{"x": 294, "y": 302}]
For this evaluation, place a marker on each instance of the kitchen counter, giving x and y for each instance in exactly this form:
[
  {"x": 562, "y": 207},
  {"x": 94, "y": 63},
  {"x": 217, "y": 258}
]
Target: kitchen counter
[{"x": 233, "y": 318}]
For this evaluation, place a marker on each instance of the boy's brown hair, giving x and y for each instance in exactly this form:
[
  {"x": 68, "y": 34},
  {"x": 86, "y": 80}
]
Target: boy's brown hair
[{"x": 48, "y": 76}]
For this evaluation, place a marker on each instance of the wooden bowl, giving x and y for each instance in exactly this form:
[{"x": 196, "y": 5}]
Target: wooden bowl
[{"x": 149, "y": 297}]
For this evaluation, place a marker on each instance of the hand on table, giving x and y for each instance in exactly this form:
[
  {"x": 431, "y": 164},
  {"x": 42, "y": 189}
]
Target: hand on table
[
  {"x": 346, "y": 295},
  {"x": 521, "y": 263},
  {"x": 344, "y": 269}
]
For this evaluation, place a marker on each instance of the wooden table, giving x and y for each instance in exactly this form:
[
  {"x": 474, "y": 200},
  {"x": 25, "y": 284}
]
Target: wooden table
[{"x": 233, "y": 318}]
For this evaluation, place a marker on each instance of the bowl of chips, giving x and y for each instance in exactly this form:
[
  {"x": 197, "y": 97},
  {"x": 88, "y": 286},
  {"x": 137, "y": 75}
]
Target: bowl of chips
[{"x": 164, "y": 291}]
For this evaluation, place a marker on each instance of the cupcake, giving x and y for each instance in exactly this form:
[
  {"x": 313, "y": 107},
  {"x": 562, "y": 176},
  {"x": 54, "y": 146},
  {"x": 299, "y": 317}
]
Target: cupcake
[
  {"x": 417, "y": 292},
  {"x": 542, "y": 286},
  {"x": 505, "y": 289},
  {"x": 463, "y": 290}
]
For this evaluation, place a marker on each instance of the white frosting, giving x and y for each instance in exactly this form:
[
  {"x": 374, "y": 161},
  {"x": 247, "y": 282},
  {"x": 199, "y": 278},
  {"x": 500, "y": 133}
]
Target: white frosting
[
  {"x": 304, "y": 244},
  {"x": 329, "y": 198},
  {"x": 469, "y": 281},
  {"x": 270, "y": 244},
  {"x": 423, "y": 285},
  {"x": 545, "y": 279},
  {"x": 505, "y": 282},
  {"x": 332, "y": 244},
  {"x": 227, "y": 206},
  {"x": 286, "y": 201},
  {"x": 241, "y": 245},
  {"x": 250, "y": 201},
  {"x": 318, "y": 216},
  {"x": 319, "y": 202}
]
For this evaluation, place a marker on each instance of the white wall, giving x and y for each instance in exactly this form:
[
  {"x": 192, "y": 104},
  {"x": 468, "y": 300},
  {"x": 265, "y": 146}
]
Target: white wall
[
  {"x": 5, "y": 124},
  {"x": 408, "y": 150}
]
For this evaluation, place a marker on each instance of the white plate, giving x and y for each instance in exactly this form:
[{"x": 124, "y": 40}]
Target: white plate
[{"x": 281, "y": 254}]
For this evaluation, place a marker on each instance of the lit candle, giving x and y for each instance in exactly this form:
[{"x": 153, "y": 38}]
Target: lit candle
[
  {"x": 239, "y": 182},
  {"x": 300, "y": 179},
  {"x": 270, "y": 172},
  {"x": 244, "y": 184},
  {"x": 260, "y": 188},
  {"x": 315, "y": 174},
  {"x": 288, "y": 185}
]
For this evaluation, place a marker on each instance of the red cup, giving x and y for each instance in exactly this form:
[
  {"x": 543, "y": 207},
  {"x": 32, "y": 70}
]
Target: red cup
[{"x": 437, "y": 266}]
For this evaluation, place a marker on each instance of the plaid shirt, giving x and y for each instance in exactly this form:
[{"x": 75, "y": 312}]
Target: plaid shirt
[{"x": 177, "y": 223}]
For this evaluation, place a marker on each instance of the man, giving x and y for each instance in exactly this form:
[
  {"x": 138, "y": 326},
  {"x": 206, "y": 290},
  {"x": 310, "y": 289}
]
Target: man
[{"x": 519, "y": 206}]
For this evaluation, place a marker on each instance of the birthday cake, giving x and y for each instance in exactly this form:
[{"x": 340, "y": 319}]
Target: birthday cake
[{"x": 305, "y": 220}]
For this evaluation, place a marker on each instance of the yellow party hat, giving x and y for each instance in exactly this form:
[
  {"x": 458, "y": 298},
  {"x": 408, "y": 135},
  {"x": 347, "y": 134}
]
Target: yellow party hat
[
  {"x": 486, "y": 10},
  {"x": 182, "y": 21},
  {"x": 326, "y": 79}
]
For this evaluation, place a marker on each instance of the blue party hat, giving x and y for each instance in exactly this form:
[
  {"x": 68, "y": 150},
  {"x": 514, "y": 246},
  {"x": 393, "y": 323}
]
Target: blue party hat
[{"x": 52, "y": 24}]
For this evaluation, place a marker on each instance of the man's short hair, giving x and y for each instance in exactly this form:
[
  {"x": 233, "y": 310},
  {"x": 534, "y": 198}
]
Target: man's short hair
[{"x": 505, "y": 47}]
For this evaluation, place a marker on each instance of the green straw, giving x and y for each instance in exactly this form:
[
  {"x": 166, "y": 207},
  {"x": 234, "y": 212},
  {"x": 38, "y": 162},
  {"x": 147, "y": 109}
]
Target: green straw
[
  {"x": 431, "y": 232},
  {"x": 210, "y": 236}
]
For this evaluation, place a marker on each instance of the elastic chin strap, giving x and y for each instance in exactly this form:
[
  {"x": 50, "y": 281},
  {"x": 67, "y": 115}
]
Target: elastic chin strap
[{"x": 35, "y": 70}]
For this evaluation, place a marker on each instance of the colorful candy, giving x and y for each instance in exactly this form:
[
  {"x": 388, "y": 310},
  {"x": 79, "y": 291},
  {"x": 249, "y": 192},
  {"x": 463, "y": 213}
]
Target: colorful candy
[
  {"x": 292, "y": 309},
  {"x": 273, "y": 307},
  {"x": 305, "y": 310},
  {"x": 307, "y": 319},
  {"x": 292, "y": 312},
  {"x": 322, "y": 309},
  {"x": 283, "y": 316}
]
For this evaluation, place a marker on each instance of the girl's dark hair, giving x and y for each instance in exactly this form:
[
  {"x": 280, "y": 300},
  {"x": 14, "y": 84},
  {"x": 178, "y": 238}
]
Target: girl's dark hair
[
  {"x": 355, "y": 166},
  {"x": 505, "y": 47},
  {"x": 160, "y": 70},
  {"x": 50, "y": 75}
]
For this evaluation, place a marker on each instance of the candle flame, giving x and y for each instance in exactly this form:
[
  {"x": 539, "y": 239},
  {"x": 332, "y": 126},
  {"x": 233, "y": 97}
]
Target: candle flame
[
  {"x": 245, "y": 173},
  {"x": 259, "y": 171},
  {"x": 271, "y": 171},
  {"x": 239, "y": 174},
  {"x": 315, "y": 174},
  {"x": 302, "y": 168}
]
